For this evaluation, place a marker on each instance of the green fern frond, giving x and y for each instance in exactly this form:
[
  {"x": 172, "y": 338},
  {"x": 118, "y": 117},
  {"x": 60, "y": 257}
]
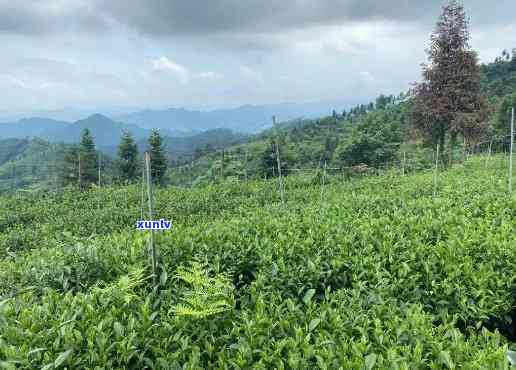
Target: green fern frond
[{"x": 204, "y": 295}]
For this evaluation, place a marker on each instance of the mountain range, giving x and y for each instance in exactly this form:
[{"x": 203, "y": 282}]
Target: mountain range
[
  {"x": 106, "y": 133},
  {"x": 175, "y": 122},
  {"x": 246, "y": 119}
]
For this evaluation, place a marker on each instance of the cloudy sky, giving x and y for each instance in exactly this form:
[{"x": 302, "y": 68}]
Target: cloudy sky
[{"x": 100, "y": 54}]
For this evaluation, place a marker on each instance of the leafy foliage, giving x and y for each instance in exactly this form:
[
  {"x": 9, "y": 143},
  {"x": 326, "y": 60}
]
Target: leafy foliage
[
  {"x": 382, "y": 275},
  {"x": 375, "y": 140},
  {"x": 205, "y": 296},
  {"x": 449, "y": 100}
]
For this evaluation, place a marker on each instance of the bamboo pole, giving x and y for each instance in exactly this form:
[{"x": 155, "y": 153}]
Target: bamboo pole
[
  {"x": 489, "y": 152},
  {"x": 511, "y": 151},
  {"x": 403, "y": 164},
  {"x": 222, "y": 165},
  {"x": 100, "y": 164},
  {"x": 323, "y": 181},
  {"x": 278, "y": 159},
  {"x": 436, "y": 170},
  {"x": 142, "y": 204},
  {"x": 80, "y": 169},
  {"x": 152, "y": 247},
  {"x": 246, "y": 154}
]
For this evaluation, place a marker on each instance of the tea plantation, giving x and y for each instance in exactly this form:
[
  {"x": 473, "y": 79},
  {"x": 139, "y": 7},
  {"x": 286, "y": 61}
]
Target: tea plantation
[{"x": 367, "y": 273}]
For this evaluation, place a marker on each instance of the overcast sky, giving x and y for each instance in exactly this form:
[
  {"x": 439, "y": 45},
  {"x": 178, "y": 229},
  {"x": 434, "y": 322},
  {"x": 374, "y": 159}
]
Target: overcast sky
[{"x": 95, "y": 54}]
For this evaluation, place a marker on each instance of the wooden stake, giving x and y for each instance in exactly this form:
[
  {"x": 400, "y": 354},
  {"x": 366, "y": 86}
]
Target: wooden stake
[
  {"x": 278, "y": 160},
  {"x": 55, "y": 168},
  {"x": 152, "y": 247},
  {"x": 511, "y": 151},
  {"x": 435, "y": 171},
  {"x": 222, "y": 165},
  {"x": 246, "y": 153},
  {"x": 403, "y": 164},
  {"x": 323, "y": 181},
  {"x": 100, "y": 164},
  {"x": 80, "y": 169},
  {"x": 489, "y": 152}
]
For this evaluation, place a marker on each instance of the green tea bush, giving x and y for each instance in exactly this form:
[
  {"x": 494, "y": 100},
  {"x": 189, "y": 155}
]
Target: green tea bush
[{"x": 378, "y": 274}]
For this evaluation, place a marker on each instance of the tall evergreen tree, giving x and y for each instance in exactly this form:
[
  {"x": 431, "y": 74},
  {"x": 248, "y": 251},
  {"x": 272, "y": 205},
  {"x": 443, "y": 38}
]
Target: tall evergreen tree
[
  {"x": 158, "y": 158},
  {"x": 448, "y": 102},
  {"x": 69, "y": 173},
  {"x": 87, "y": 160},
  {"x": 127, "y": 158}
]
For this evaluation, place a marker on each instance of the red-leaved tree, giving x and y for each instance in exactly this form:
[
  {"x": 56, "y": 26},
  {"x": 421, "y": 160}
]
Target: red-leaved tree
[{"x": 448, "y": 102}]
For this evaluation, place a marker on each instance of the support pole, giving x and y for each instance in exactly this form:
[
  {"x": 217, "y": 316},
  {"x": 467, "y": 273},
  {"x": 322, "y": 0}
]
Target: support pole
[
  {"x": 142, "y": 204},
  {"x": 100, "y": 164},
  {"x": 403, "y": 164},
  {"x": 489, "y": 152},
  {"x": 55, "y": 167},
  {"x": 436, "y": 170},
  {"x": 323, "y": 181},
  {"x": 510, "y": 154},
  {"x": 80, "y": 169},
  {"x": 222, "y": 165},
  {"x": 278, "y": 160},
  {"x": 246, "y": 154},
  {"x": 152, "y": 247}
]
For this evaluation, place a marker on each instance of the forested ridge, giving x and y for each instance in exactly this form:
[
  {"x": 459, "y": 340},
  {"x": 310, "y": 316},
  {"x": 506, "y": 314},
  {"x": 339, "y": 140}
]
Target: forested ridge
[{"x": 375, "y": 134}]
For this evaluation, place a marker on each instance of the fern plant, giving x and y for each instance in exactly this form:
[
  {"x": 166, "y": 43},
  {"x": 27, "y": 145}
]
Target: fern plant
[{"x": 203, "y": 295}]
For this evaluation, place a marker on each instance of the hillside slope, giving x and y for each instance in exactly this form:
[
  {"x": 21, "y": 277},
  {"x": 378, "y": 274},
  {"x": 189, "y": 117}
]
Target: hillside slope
[
  {"x": 368, "y": 273},
  {"x": 376, "y": 134}
]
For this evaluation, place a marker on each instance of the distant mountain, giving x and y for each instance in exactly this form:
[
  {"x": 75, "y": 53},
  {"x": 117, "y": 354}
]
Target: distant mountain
[
  {"x": 104, "y": 130},
  {"x": 245, "y": 119},
  {"x": 30, "y": 127},
  {"x": 185, "y": 147},
  {"x": 106, "y": 133}
]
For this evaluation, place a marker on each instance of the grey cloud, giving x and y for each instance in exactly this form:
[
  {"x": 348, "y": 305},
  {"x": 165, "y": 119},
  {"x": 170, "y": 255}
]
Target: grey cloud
[
  {"x": 202, "y": 18},
  {"x": 222, "y": 52},
  {"x": 165, "y": 17},
  {"x": 28, "y": 17}
]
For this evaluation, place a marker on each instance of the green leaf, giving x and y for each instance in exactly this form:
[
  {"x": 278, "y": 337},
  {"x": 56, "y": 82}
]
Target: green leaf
[
  {"x": 34, "y": 351},
  {"x": 7, "y": 365},
  {"x": 62, "y": 358},
  {"x": 370, "y": 361},
  {"x": 511, "y": 356},
  {"x": 445, "y": 359},
  {"x": 308, "y": 296},
  {"x": 313, "y": 324},
  {"x": 163, "y": 277}
]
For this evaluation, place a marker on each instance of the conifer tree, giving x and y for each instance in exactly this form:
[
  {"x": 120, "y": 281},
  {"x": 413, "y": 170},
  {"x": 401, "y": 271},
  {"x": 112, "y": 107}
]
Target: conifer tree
[
  {"x": 88, "y": 159},
  {"x": 158, "y": 158},
  {"x": 127, "y": 158},
  {"x": 69, "y": 174}
]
